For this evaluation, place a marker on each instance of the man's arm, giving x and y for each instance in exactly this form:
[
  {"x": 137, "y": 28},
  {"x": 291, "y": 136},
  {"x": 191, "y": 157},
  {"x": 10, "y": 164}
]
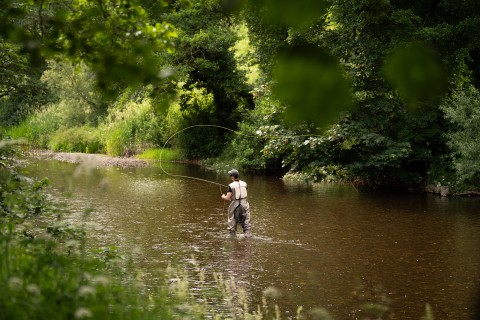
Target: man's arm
[{"x": 227, "y": 196}]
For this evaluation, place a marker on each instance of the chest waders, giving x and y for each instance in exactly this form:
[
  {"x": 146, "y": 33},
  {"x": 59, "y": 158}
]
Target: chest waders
[{"x": 239, "y": 211}]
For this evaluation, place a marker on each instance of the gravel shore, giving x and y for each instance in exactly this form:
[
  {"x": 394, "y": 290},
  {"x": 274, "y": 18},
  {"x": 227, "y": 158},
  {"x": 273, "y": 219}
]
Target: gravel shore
[{"x": 97, "y": 160}]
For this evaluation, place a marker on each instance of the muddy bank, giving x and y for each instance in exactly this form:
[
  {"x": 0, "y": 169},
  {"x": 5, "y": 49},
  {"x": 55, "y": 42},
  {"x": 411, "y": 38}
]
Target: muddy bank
[{"x": 96, "y": 160}]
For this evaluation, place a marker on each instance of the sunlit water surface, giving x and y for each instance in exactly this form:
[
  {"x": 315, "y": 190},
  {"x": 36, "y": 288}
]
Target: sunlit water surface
[{"x": 320, "y": 245}]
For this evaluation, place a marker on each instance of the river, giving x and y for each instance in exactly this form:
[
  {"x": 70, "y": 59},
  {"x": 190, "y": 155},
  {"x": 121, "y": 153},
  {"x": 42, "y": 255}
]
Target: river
[{"x": 320, "y": 245}]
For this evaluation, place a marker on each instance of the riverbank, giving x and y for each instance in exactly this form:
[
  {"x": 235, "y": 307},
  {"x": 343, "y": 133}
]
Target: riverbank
[{"x": 101, "y": 160}]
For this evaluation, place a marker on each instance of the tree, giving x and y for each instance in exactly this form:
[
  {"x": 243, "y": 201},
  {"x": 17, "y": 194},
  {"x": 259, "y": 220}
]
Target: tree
[
  {"x": 462, "y": 108},
  {"x": 21, "y": 91},
  {"x": 204, "y": 62},
  {"x": 400, "y": 60},
  {"x": 117, "y": 39}
]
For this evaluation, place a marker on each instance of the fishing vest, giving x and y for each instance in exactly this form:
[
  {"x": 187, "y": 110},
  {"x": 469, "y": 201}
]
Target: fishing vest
[{"x": 239, "y": 189}]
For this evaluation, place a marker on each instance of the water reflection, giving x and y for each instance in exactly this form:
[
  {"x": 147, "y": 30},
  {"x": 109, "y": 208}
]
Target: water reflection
[{"x": 319, "y": 245}]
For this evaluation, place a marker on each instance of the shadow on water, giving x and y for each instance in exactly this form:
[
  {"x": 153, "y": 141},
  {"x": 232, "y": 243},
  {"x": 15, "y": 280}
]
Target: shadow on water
[{"x": 319, "y": 245}]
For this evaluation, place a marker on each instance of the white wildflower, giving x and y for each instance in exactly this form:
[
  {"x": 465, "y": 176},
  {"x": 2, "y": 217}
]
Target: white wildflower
[
  {"x": 85, "y": 291},
  {"x": 15, "y": 283},
  {"x": 100, "y": 280},
  {"x": 272, "y": 292},
  {"x": 82, "y": 313},
  {"x": 33, "y": 289}
]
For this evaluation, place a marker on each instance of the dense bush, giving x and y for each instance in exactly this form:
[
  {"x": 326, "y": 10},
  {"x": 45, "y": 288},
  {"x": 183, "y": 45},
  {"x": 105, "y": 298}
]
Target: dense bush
[
  {"x": 197, "y": 107},
  {"x": 77, "y": 139},
  {"x": 21, "y": 91},
  {"x": 264, "y": 143},
  {"x": 462, "y": 108},
  {"x": 131, "y": 126}
]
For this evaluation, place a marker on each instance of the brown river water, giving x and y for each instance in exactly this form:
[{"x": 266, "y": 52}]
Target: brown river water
[{"x": 320, "y": 245}]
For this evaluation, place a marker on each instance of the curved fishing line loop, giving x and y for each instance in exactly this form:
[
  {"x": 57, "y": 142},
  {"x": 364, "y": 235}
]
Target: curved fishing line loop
[
  {"x": 183, "y": 176},
  {"x": 220, "y": 127}
]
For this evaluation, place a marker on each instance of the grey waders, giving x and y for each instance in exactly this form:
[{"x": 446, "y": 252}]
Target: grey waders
[{"x": 239, "y": 209}]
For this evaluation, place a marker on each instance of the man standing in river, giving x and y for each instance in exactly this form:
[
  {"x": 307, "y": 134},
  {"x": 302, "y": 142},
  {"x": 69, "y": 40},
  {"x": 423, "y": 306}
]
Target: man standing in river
[{"x": 239, "y": 209}]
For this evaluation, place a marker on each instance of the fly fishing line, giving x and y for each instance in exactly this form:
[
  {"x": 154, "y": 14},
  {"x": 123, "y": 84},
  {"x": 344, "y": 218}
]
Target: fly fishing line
[{"x": 219, "y": 127}]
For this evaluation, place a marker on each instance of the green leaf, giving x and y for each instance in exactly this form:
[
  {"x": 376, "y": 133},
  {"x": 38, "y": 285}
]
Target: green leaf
[
  {"x": 416, "y": 73},
  {"x": 312, "y": 84}
]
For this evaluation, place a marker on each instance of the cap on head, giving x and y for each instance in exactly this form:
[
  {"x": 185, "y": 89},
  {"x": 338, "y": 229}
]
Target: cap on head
[{"x": 233, "y": 173}]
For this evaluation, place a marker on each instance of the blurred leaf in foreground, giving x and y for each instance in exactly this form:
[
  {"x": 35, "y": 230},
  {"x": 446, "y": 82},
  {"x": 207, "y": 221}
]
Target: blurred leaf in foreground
[
  {"x": 416, "y": 73},
  {"x": 312, "y": 84}
]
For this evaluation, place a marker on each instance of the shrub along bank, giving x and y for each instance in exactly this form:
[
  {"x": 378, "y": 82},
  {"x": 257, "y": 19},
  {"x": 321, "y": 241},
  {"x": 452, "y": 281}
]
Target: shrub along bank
[{"x": 126, "y": 130}]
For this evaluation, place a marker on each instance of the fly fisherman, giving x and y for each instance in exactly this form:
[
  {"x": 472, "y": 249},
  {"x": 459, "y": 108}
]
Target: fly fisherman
[{"x": 239, "y": 209}]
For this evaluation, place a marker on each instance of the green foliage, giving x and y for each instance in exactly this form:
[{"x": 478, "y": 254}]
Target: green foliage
[
  {"x": 380, "y": 144},
  {"x": 21, "y": 92},
  {"x": 291, "y": 13},
  {"x": 244, "y": 55},
  {"x": 206, "y": 63},
  {"x": 125, "y": 130},
  {"x": 19, "y": 199},
  {"x": 197, "y": 106},
  {"x": 416, "y": 73},
  {"x": 245, "y": 146},
  {"x": 263, "y": 143},
  {"x": 39, "y": 127},
  {"x": 267, "y": 38},
  {"x": 74, "y": 86},
  {"x": 462, "y": 108},
  {"x": 117, "y": 39},
  {"x": 76, "y": 139},
  {"x": 161, "y": 154}
]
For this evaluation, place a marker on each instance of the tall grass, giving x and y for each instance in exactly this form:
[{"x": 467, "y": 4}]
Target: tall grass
[
  {"x": 39, "y": 127},
  {"x": 127, "y": 130}
]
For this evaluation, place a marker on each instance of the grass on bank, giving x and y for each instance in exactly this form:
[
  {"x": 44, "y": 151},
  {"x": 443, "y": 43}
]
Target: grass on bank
[{"x": 158, "y": 154}]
